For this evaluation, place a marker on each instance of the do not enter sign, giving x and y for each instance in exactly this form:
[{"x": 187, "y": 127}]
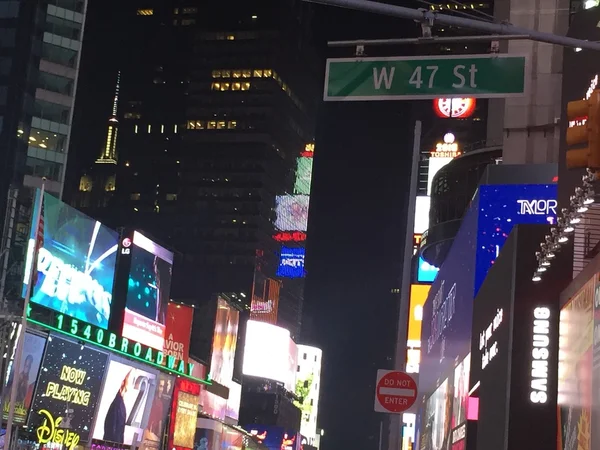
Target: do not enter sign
[{"x": 396, "y": 391}]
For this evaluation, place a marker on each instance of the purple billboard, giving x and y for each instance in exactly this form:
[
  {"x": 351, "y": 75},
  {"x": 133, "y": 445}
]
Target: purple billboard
[{"x": 447, "y": 313}]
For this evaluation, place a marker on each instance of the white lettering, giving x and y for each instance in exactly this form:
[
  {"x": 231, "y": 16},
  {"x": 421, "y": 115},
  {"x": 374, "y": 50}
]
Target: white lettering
[
  {"x": 489, "y": 349},
  {"x": 383, "y": 77},
  {"x": 459, "y": 75},
  {"x": 537, "y": 207},
  {"x": 539, "y": 355},
  {"x": 443, "y": 312},
  {"x": 472, "y": 72}
]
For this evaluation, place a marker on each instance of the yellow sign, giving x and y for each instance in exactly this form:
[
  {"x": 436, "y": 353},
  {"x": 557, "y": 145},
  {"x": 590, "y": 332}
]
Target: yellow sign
[
  {"x": 50, "y": 431},
  {"x": 418, "y": 296}
]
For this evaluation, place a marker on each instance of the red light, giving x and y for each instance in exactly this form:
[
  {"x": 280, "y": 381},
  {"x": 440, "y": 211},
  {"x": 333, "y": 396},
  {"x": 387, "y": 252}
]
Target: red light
[
  {"x": 287, "y": 236},
  {"x": 473, "y": 408},
  {"x": 307, "y": 154},
  {"x": 457, "y": 108}
]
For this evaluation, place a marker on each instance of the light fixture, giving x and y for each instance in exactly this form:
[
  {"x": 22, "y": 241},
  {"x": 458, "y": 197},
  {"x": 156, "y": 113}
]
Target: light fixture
[
  {"x": 541, "y": 269},
  {"x": 545, "y": 262},
  {"x": 569, "y": 228},
  {"x": 550, "y": 254},
  {"x": 582, "y": 208},
  {"x": 563, "y": 238},
  {"x": 575, "y": 220},
  {"x": 536, "y": 277},
  {"x": 590, "y": 196}
]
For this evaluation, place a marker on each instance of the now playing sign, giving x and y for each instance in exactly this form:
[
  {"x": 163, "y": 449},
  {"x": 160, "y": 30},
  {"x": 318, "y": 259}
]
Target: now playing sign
[{"x": 395, "y": 392}]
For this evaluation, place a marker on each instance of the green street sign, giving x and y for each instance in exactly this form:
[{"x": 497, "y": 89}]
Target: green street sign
[{"x": 418, "y": 78}]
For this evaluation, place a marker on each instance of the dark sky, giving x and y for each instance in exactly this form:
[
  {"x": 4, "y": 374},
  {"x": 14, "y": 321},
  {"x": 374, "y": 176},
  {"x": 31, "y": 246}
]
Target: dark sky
[{"x": 356, "y": 227}]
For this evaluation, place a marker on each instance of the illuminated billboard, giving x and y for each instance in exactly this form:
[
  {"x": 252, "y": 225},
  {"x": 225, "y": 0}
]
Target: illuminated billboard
[
  {"x": 178, "y": 329},
  {"x": 418, "y": 295},
  {"x": 443, "y": 153},
  {"x": 291, "y": 212},
  {"x": 265, "y": 298},
  {"x": 224, "y": 343},
  {"x": 426, "y": 273},
  {"x": 308, "y": 380},
  {"x": 270, "y": 353},
  {"x": 287, "y": 236},
  {"x": 275, "y": 438},
  {"x": 67, "y": 391},
  {"x": 456, "y": 108},
  {"x": 291, "y": 262},
  {"x": 422, "y": 206},
  {"x": 75, "y": 266},
  {"x": 148, "y": 289},
  {"x": 184, "y": 415},
  {"x": 303, "y": 175},
  {"x": 122, "y": 407}
]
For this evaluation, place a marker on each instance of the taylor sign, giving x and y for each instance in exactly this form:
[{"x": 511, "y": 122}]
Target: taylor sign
[{"x": 395, "y": 392}]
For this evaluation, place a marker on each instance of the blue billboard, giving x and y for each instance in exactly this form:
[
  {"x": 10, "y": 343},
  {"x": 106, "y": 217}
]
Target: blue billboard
[
  {"x": 426, "y": 273},
  {"x": 75, "y": 266},
  {"x": 448, "y": 311},
  {"x": 291, "y": 262}
]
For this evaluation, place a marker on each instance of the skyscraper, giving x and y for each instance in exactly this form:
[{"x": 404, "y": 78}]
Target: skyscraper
[
  {"x": 40, "y": 48},
  {"x": 215, "y": 111}
]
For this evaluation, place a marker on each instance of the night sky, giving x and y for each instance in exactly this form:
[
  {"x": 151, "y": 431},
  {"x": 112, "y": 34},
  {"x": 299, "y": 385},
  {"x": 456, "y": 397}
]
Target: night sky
[{"x": 356, "y": 225}]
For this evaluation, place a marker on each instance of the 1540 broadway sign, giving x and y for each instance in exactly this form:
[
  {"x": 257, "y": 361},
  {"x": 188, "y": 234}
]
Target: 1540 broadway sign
[{"x": 111, "y": 341}]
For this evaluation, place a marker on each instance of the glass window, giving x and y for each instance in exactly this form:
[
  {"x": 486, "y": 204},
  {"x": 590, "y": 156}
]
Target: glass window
[
  {"x": 199, "y": 125},
  {"x": 62, "y": 27},
  {"x": 236, "y": 86},
  {"x": 186, "y": 22},
  {"x": 215, "y": 86},
  {"x": 237, "y": 73},
  {"x": 216, "y": 74},
  {"x": 232, "y": 124},
  {"x": 42, "y": 168},
  {"x": 231, "y": 37},
  {"x": 51, "y": 111},
  {"x": 221, "y": 124},
  {"x": 191, "y": 10},
  {"x": 267, "y": 73},
  {"x": 245, "y": 86},
  {"x": 225, "y": 73},
  {"x": 135, "y": 196},
  {"x": 47, "y": 140},
  {"x": 59, "y": 55},
  {"x": 225, "y": 86},
  {"x": 211, "y": 125},
  {"x": 55, "y": 83},
  {"x": 246, "y": 73},
  {"x": 171, "y": 197},
  {"x": 258, "y": 73},
  {"x": 145, "y": 12}
]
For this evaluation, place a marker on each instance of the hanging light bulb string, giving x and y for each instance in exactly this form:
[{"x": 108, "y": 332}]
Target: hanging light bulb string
[{"x": 585, "y": 196}]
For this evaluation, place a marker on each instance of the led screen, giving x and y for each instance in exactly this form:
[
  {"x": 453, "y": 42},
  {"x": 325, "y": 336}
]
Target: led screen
[
  {"x": 501, "y": 208},
  {"x": 418, "y": 295},
  {"x": 159, "y": 407},
  {"x": 224, "y": 343},
  {"x": 575, "y": 394},
  {"x": 292, "y": 212},
  {"x": 270, "y": 353},
  {"x": 435, "y": 427},
  {"x": 422, "y": 214},
  {"x": 291, "y": 262},
  {"x": 426, "y": 273},
  {"x": 308, "y": 380},
  {"x": 178, "y": 330},
  {"x": 303, "y": 175},
  {"x": 148, "y": 290},
  {"x": 68, "y": 388},
  {"x": 76, "y": 261},
  {"x": 275, "y": 438},
  {"x": 234, "y": 401},
  {"x": 33, "y": 349},
  {"x": 435, "y": 165},
  {"x": 121, "y": 411},
  {"x": 184, "y": 415}
]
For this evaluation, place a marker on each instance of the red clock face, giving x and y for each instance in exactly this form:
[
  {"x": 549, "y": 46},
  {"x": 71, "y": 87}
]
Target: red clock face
[{"x": 458, "y": 108}]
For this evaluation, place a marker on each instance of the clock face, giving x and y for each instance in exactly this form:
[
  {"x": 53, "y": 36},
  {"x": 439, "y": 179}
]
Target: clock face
[{"x": 458, "y": 108}]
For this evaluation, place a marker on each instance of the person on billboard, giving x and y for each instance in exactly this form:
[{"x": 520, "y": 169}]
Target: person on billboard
[
  {"x": 116, "y": 416},
  {"x": 24, "y": 388},
  {"x": 158, "y": 412},
  {"x": 162, "y": 270}
]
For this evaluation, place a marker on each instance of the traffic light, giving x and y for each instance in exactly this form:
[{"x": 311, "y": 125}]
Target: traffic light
[{"x": 583, "y": 134}]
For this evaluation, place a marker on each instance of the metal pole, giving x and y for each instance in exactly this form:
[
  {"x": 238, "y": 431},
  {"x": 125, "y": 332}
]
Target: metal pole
[
  {"x": 380, "y": 433},
  {"x": 431, "y": 40},
  {"x": 433, "y": 17},
  {"x": 21, "y": 337}
]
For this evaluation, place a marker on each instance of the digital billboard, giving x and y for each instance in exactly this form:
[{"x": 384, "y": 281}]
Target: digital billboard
[
  {"x": 422, "y": 206},
  {"x": 148, "y": 289},
  {"x": 265, "y": 298},
  {"x": 291, "y": 212},
  {"x": 122, "y": 414},
  {"x": 224, "y": 343},
  {"x": 184, "y": 415},
  {"x": 33, "y": 350},
  {"x": 275, "y": 438},
  {"x": 160, "y": 406},
  {"x": 502, "y": 207},
  {"x": 75, "y": 265},
  {"x": 304, "y": 167},
  {"x": 575, "y": 394},
  {"x": 178, "y": 329},
  {"x": 270, "y": 353},
  {"x": 418, "y": 296},
  {"x": 308, "y": 381},
  {"x": 291, "y": 262},
  {"x": 67, "y": 391},
  {"x": 426, "y": 273},
  {"x": 234, "y": 401}
]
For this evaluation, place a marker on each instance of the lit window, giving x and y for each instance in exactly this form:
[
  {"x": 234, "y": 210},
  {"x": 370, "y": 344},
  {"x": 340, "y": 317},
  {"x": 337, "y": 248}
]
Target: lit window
[
  {"x": 246, "y": 73},
  {"x": 237, "y": 73},
  {"x": 216, "y": 74},
  {"x": 284, "y": 87},
  {"x": 225, "y": 86},
  {"x": 186, "y": 22},
  {"x": 211, "y": 125},
  {"x": 221, "y": 125},
  {"x": 192, "y": 10},
  {"x": 135, "y": 129},
  {"x": 149, "y": 128},
  {"x": 230, "y": 37},
  {"x": 175, "y": 128},
  {"x": 145, "y": 12},
  {"x": 176, "y": 11},
  {"x": 215, "y": 86},
  {"x": 236, "y": 86},
  {"x": 171, "y": 197},
  {"x": 132, "y": 115},
  {"x": 199, "y": 125},
  {"x": 245, "y": 86},
  {"x": 232, "y": 124},
  {"x": 226, "y": 73},
  {"x": 135, "y": 196},
  {"x": 191, "y": 125},
  {"x": 162, "y": 129},
  {"x": 268, "y": 73},
  {"x": 258, "y": 73}
]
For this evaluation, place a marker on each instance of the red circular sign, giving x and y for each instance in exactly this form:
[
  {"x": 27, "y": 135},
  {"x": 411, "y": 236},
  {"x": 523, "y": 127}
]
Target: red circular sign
[{"x": 396, "y": 392}]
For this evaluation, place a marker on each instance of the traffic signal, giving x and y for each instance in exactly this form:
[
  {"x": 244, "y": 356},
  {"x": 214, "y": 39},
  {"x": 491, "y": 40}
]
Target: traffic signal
[{"x": 583, "y": 134}]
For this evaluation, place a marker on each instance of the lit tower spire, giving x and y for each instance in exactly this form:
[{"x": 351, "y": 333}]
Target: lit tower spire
[{"x": 109, "y": 152}]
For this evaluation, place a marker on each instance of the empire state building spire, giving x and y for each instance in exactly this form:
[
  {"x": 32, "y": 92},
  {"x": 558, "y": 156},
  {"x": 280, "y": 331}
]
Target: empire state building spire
[{"x": 109, "y": 152}]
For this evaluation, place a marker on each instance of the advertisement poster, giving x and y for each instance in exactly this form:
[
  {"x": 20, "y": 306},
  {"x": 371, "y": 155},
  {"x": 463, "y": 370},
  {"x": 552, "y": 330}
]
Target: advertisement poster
[
  {"x": 68, "y": 390},
  {"x": 178, "y": 330},
  {"x": 184, "y": 414},
  {"x": 224, "y": 343},
  {"x": 75, "y": 264},
  {"x": 292, "y": 212},
  {"x": 208, "y": 435},
  {"x": 575, "y": 370},
  {"x": 436, "y": 419},
  {"x": 121, "y": 412},
  {"x": 33, "y": 350},
  {"x": 148, "y": 290},
  {"x": 159, "y": 413},
  {"x": 275, "y": 438}
]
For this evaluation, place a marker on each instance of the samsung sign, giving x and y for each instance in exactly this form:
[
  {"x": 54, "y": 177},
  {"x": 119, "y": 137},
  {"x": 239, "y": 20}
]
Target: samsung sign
[{"x": 539, "y": 355}]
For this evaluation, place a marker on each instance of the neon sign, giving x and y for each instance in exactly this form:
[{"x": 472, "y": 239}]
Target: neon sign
[
  {"x": 539, "y": 355},
  {"x": 50, "y": 431},
  {"x": 115, "y": 343},
  {"x": 296, "y": 236},
  {"x": 446, "y": 149},
  {"x": 457, "y": 108}
]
